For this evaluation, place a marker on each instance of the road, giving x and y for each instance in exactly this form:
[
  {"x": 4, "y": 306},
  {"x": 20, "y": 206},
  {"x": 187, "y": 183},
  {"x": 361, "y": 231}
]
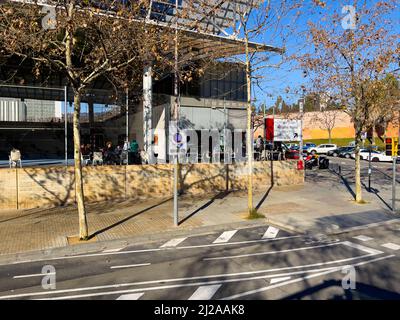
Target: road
[{"x": 252, "y": 263}]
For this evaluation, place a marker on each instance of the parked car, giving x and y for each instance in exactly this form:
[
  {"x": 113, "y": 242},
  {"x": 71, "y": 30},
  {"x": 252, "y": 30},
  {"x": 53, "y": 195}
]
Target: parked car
[
  {"x": 346, "y": 152},
  {"x": 322, "y": 149},
  {"x": 336, "y": 152},
  {"x": 376, "y": 156},
  {"x": 293, "y": 146},
  {"x": 308, "y": 145}
]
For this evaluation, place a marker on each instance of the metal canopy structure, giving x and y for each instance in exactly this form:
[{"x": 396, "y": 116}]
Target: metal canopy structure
[{"x": 209, "y": 27}]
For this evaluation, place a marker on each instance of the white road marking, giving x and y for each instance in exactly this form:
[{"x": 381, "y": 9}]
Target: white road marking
[
  {"x": 205, "y": 292},
  {"x": 189, "y": 278},
  {"x": 362, "y": 248},
  {"x": 33, "y": 275},
  {"x": 130, "y": 266},
  {"x": 363, "y": 238},
  {"x": 391, "y": 246},
  {"x": 112, "y": 250},
  {"x": 225, "y": 236},
  {"x": 272, "y": 252},
  {"x": 240, "y": 295},
  {"x": 132, "y": 296},
  {"x": 271, "y": 233},
  {"x": 155, "y": 250},
  {"x": 276, "y": 280},
  {"x": 173, "y": 243},
  {"x": 324, "y": 271}
]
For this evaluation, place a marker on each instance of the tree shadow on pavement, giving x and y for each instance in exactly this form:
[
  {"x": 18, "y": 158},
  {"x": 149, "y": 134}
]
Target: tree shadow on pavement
[
  {"x": 362, "y": 292},
  {"x": 129, "y": 218}
]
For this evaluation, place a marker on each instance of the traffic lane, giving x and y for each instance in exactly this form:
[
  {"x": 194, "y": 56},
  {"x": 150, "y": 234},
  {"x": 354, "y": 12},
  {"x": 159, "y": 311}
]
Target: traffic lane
[
  {"x": 168, "y": 289},
  {"x": 140, "y": 254},
  {"x": 198, "y": 269},
  {"x": 92, "y": 264},
  {"x": 364, "y": 163}
]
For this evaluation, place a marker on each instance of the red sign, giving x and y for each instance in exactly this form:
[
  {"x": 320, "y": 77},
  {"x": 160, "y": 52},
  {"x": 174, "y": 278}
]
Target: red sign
[{"x": 269, "y": 129}]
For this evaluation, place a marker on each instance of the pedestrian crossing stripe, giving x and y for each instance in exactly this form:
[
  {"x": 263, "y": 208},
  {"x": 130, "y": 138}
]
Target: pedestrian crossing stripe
[
  {"x": 225, "y": 236},
  {"x": 271, "y": 233},
  {"x": 173, "y": 243},
  {"x": 205, "y": 292}
]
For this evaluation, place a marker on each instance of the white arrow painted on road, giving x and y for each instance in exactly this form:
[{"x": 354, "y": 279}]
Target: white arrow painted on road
[
  {"x": 225, "y": 237},
  {"x": 276, "y": 280},
  {"x": 271, "y": 233},
  {"x": 205, "y": 292},
  {"x": 131, "y": 296}
]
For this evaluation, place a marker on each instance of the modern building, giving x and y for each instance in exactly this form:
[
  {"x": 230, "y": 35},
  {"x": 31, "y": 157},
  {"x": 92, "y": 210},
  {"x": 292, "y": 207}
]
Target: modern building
[
  {"x": 12, "y": 110},
  {"x": 214, "y": 100},
  {"x": 40, "y": 110}
]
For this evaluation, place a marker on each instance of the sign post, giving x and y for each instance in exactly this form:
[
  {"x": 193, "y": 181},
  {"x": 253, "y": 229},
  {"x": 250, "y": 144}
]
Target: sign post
[{"x": 392, "y": 149}]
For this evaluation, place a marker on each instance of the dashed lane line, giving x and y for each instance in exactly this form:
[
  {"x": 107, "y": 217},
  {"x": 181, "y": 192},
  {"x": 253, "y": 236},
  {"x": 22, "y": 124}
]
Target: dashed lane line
[
  {"x": 363, "y": 238},
  {"x": 132, "y": 296},
  {"x": 33, "y": 275},
  {"x": 362, "y": 248},
  {"x": 276, "y": 280},
  {"x": 391, "y": 246},
  {"x": 130, "y": 266}
]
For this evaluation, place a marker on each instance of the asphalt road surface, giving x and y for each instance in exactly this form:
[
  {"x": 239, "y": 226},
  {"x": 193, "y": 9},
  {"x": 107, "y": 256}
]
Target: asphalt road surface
[{"x": 252, "y": 263}]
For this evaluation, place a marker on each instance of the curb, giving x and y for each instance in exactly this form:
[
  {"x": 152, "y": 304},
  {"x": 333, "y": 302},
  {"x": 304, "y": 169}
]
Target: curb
[{"x": 86, "y": 248}]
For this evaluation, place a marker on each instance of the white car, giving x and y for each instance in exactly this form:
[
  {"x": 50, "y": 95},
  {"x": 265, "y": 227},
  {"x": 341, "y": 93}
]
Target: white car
[
  {"x": 322, "y": 148},
  {"x": 375, "y": 156}
]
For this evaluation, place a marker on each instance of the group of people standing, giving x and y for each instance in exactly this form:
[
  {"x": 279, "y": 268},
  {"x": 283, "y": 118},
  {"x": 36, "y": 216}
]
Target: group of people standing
[{"x": 121, "y": 154}]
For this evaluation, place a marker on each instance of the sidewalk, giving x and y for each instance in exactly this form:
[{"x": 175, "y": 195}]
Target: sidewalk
[{"x": 323, "y": 204}]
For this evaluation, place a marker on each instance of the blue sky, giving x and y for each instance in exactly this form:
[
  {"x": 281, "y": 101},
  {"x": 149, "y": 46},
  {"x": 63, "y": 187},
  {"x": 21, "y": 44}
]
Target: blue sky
[{"x": 278, "y": 80}]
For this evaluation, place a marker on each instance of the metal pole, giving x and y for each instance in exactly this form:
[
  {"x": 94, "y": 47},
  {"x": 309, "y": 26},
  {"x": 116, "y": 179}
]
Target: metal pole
[
  {"x": 369, "y": 169},
  {"x": 301, "y": 107},
  {"x": 127, "y": 115},
  {"x": 175, "y": 114},
  {"x": 127, "y": 142},
  {"x": 394, "y": 186},
  {"x": 66, "y": 124}
]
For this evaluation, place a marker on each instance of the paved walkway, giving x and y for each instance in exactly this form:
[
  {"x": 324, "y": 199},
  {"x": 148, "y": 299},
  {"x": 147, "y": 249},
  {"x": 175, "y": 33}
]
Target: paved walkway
[{"x": 323, "y": 204}]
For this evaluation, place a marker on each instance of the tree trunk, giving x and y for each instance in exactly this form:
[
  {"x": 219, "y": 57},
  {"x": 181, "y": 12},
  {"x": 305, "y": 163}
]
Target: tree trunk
[
  {"x": 358, "y": 166},
  {"x": 249, "y": 132},
  {"x": 330, "y": 135},
  {"x": 80, "y": 198}
]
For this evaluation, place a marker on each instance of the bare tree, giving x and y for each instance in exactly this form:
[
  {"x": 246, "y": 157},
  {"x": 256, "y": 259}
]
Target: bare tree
[
  {"x": 348, "y": 54},
  {"x": 327, "y": 120},
  {"x": 84, "y": 41}
]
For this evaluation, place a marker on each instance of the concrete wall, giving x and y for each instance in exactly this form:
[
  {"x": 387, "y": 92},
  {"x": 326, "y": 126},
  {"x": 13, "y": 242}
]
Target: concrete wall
[{"x": 28, "y": 188}]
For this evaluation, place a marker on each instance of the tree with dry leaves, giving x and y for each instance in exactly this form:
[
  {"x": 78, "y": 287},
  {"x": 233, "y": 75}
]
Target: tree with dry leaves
[
  {"x": 83, "y": 41},
  {"x": 350, "y": 53}
]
